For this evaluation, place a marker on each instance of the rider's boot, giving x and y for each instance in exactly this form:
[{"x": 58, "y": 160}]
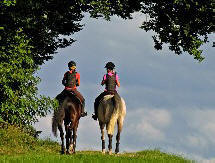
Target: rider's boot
[
  {"x": 83, "y": 113},
  {"x": 60, "y": 100},
  {"x": 95, "y": 116}
]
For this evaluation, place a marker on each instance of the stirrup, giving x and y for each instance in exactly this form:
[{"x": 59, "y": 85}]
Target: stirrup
[
  {"x": 83, "y": 114},
  {"x": 95, "y": 117}
]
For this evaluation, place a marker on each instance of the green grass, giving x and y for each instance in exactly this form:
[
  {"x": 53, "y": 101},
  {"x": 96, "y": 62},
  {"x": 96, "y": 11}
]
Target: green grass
[{"x": 17, "y": 146}]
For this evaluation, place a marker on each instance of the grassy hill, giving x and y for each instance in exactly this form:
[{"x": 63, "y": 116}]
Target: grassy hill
[{"x": 18, "y": 146}]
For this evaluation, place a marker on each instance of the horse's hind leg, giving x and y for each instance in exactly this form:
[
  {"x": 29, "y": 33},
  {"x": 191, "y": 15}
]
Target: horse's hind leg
[
  {"x": 119, "y": 126},
  {"x": 62, "y": 138},
  {"x": 110, "y": 143},
  {"x": 74, "y": 136},
  {"x": 68, "y": 136},
  {"x": 103, "y": 136},
  {"x": 117, "y": 142},
  {"x": 110, "y": 131}
]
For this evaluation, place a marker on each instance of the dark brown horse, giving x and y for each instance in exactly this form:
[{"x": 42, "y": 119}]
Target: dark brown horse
[{"x": 69, "y": 112}]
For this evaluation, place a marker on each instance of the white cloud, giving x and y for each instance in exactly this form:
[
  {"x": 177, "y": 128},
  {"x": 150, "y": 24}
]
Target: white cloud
[
  {"x": 196, "y": 141},
  {"x": 158, "y": 117},
  {"x": 150, "y": 123},
  {"x": 45, "y": 125},
  {"x": 149, "y": 132},
  {"x": 202, "y": 121},
  {"x": 212, "y": 160}
]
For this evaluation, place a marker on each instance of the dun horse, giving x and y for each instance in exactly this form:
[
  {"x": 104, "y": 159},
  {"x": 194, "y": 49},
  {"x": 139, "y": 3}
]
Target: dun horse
[
  {"x": 110, "y": 112},
  {"x": 69, "y": 112}
]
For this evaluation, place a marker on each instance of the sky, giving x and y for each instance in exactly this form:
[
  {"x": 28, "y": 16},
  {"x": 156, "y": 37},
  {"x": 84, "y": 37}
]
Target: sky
[{"x": 169, "y": 98}]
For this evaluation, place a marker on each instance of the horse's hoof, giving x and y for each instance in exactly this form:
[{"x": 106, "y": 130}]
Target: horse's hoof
[
  {"x": 116, "y": 151},
  {"x": 103, "y": 151},
  {"x": 71, "y": 150},
  {"x": 68, "y": 153},
  {"x": 110, "y": 152},
  {"x": 62, "y": 150}
]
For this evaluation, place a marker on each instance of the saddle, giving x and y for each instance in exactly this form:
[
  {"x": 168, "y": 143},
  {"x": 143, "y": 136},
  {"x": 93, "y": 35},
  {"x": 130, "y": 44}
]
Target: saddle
[
  {"x": 73, "y": 96},
  {"x": 106, "y": 94},
  {"x": 116, "y": 98},
  {"x": 110, "y": 93}
]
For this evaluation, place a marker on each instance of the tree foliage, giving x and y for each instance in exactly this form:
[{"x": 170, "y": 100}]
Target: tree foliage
[
  {"x": 19, "y": 101},
  {"x": 184, "y": 25},
  {"x": 43, "y": 22}
]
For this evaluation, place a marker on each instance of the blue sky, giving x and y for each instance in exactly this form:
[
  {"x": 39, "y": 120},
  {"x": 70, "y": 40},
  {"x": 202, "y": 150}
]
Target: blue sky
[{"x": 170, "y": 98}]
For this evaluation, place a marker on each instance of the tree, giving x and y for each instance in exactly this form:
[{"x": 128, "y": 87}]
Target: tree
[
  {"x": 43, "y": 22},
  {"x": 19, "y": 101}
]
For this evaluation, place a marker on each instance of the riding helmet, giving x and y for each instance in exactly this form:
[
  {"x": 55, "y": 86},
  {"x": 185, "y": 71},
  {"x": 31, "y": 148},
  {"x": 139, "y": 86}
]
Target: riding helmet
[
  {"x": 71, "y": 63},
  {"x": 110, "y": 65}
]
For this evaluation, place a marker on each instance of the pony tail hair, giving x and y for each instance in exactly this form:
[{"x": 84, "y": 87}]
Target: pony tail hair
[{"x": 57, "y": 119}]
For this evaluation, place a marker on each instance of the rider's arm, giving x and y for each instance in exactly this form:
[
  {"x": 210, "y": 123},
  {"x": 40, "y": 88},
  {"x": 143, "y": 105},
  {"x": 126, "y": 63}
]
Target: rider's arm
[
  {"x": 78, "y": 79},
  {"x": 64, "y": 79},
  {"x": 103, "y": 81},
  {"x": 117, "y": 81}
]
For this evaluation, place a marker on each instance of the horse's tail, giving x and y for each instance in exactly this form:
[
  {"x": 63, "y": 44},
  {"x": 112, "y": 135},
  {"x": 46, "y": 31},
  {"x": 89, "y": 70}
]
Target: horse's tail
[
  {"x": 116, "y": 102},
  {"x": 57, "y": 119}
]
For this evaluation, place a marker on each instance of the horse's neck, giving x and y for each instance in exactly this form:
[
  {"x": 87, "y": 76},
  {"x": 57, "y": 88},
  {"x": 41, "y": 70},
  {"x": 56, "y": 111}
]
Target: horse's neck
[
  {"x": 107, "y": 103},
  {"x": 73, "y": 106}
]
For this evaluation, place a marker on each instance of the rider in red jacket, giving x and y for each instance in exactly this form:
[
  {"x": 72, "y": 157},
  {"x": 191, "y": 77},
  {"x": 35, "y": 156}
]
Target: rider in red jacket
[{"x": 71, "y": 81}]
